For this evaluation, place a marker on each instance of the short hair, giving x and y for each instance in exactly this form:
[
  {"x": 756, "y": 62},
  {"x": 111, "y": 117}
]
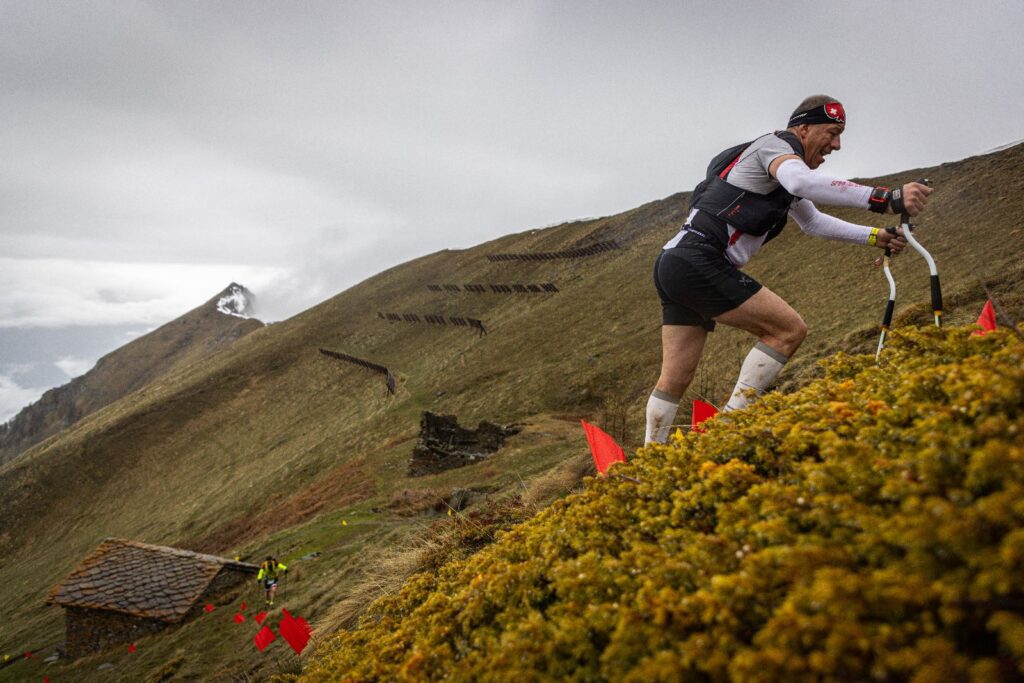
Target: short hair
[{"x": 812, "y": 101}]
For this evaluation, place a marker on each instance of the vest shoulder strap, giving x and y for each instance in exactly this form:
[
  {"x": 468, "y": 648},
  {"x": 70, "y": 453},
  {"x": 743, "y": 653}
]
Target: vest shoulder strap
[
  {"x": 792, "y": 139},
  {"x": 726, "y": 159},
  {"x": 719, "y": 167}
]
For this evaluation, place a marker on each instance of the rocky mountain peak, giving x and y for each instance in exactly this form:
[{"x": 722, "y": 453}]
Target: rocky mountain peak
[{"x": 236, "y": 301}]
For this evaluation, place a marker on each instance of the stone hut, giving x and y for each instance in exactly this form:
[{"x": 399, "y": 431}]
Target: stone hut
[
  {"x": 125, "y": 590},
  {"x": 444, "y": 445}
]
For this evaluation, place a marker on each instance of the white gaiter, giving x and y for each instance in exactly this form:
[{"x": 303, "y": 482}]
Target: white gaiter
[
  {"x": 760, "y": 368},
  {"x": 661, "y": 410}
]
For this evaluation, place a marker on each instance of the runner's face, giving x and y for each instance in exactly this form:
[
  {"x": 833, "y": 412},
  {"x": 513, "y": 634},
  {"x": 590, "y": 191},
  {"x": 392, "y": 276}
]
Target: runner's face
[{"x": 821, "y": 140}]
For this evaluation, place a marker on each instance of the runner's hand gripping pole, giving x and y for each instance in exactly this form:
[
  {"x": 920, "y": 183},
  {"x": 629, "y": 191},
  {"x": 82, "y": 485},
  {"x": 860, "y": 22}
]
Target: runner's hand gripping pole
[
  {"x": 887, "y": 318},
  {"x": 934, "y": 273}
]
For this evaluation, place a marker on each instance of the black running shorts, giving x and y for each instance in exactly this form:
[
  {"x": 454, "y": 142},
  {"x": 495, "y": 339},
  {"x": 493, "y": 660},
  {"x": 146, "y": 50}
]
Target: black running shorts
[{"x": 696, "y": 283}]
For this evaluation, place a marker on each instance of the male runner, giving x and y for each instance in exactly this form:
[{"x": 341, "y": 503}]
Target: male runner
[{"x": 749, "y": 193}]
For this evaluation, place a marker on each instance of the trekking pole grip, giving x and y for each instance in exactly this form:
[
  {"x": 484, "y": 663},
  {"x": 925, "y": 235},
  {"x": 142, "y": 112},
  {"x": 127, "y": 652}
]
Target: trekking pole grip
[
  {"x": 892, "y": 231},
  {"x": 937, "y": 300}
]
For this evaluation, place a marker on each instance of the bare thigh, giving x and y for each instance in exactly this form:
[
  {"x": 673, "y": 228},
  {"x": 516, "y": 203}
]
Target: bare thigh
[{"x": 770, "y": 318}]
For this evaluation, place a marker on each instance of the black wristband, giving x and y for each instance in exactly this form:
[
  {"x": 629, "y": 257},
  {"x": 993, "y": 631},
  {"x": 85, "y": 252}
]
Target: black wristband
[
  {"x": 879, "y": 200},
  {"x": 896, "y": 200}
]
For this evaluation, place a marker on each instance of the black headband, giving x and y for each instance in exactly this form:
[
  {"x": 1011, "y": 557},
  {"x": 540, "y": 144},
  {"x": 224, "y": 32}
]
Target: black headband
[{"x": 830, "y": 112}]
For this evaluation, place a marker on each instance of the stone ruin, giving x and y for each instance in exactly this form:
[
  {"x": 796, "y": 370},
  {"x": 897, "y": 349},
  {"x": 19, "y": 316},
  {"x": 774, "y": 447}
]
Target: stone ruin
[
  {"x": 126, "y": 590},
  {"x": 444, "y": 445}
]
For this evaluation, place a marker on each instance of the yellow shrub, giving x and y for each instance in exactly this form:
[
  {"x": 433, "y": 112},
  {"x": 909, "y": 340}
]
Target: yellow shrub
[{"x": 867, "y": 527}]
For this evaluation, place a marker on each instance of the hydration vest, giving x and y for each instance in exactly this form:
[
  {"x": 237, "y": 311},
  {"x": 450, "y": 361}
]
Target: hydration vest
[
  {"x": 749, "y": 212},
  {"x": 269, "y": 571}
]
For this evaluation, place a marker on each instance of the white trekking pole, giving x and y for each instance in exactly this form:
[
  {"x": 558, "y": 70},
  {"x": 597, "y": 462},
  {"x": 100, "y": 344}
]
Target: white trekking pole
[
  {"x": 908, "y": 232},
  {"x": 887, "y": 318}
]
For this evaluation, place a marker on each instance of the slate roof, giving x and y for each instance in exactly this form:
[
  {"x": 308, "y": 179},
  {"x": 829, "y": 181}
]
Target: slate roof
[{"x": 143, "y": 580}]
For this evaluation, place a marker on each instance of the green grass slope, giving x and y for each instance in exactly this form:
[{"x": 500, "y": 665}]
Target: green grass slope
[
  {"x": 269, "y": 445},
  {"x": 867, "y": 527}
]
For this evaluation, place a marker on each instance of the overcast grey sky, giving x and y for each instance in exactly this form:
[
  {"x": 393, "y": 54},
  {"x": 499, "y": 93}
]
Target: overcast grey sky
[{"x": 152, "y": 152}]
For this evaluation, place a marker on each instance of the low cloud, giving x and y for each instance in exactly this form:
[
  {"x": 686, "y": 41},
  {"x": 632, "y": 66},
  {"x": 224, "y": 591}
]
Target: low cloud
[
  {"x": 66, "y": 293},
  {"x": 327, "y": 261},
  {"x": 14, "y": 397},
  {"x": 74, "y": 367}
]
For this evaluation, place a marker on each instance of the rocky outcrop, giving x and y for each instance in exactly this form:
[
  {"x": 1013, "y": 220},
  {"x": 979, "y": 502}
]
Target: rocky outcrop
[{"x": 444, "y": 445}]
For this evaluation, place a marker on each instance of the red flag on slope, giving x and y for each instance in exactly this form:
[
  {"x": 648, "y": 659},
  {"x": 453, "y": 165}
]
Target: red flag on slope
[
  {"x": 263, "y": 638},
  {"x": 260, "y": 617},
  {"x": 242, "y": 607},
  {"x": 602, "y": 447},
  {"x": 701, "y": 411},
  {"x": 208, "y": 608},
  {"x": 299, "y": 620},
  {"x": 987, "y": 319},
  {"x": 239, "y": 618},
  {"x": 131, "y": 647},
  {"x": 294, "y": 631}
]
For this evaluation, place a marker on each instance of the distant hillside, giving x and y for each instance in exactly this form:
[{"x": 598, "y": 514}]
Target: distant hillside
[
  {"x": 193, "y": 336},
  {"x": 271, "y": 446}
]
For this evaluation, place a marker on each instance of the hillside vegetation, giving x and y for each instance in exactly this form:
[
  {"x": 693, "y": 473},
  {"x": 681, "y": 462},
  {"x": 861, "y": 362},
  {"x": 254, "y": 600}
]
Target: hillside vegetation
[
  {"x": 269, "y": 446},
  {"x": 867, "y": 527}
]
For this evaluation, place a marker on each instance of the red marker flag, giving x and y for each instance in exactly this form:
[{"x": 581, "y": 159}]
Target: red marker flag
[
  {"x": 208, "y": 608},
  {"x": 239, "y": 618},
  {"x": 701, "y": 411},
  {"x": 260, "y": 617},
  {"x": 294, "y": 631},
  {"x": 602, "y": 447},
  {"x": 242, "y": 607},
  {"x": 131, "y": 647},
  {"x": 987, "y": 319},
  {"x": 300, "y": 620},
  {"x": 263, "y": 638}
]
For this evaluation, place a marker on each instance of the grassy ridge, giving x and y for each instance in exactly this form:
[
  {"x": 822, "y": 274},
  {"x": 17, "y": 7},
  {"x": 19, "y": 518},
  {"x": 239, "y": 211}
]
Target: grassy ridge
[{"x": 867, "y": 527}]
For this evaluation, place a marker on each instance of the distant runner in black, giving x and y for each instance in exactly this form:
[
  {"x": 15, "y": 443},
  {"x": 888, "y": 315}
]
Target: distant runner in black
[{"x": 749, "y": 193}]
